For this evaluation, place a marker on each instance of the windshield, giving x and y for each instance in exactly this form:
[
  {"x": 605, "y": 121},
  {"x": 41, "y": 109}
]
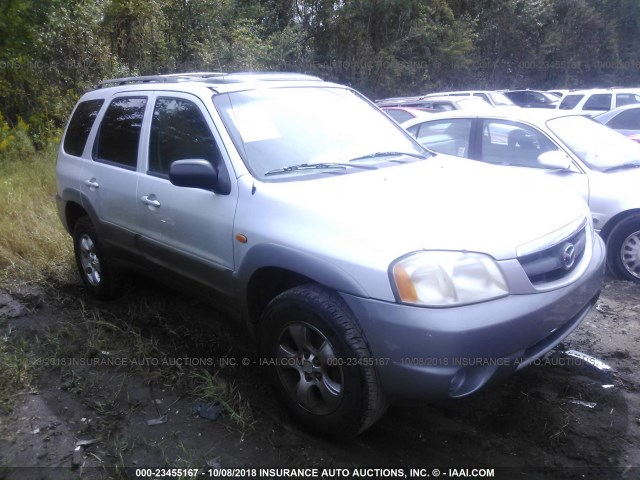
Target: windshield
[
  {"x": 596, "y": 145},
  {"x": 276, "y": 128},
  {"x": 500, "y": 99}
]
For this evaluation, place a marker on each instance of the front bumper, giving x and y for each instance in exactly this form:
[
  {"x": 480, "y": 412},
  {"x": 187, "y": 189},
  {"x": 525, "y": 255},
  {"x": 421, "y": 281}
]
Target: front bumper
[{"x": 438, "y": 353}]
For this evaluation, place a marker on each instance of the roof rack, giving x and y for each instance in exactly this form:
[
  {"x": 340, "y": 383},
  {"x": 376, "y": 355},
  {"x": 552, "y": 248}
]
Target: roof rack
[
  {"x": 211, "y": 77},
  {"x": 267, "y": 76},
  {"x": 171, "y": 77}
]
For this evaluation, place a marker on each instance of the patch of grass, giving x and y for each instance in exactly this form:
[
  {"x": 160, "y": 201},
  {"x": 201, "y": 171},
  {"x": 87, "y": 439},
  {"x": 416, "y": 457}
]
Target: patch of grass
[
  {"x": 184, "y": 461},
  {"x": 215, "y": 389},
  {"x": 34, "y": 248},
  {"x": 17, "y": 369}
]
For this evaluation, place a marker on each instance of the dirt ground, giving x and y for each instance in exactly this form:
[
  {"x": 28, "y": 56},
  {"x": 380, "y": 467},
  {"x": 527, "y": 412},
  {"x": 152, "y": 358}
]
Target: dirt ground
[{"x": 560, "y": 418}]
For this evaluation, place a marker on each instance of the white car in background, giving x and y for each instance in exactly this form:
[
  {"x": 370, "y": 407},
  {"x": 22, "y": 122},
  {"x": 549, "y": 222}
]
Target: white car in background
[
  {"x": 625, "y": 120},
  {"x": 436, "y": 104},
  {"x": 598, "y": 100},
  {"x": 496, "y": 99},
  {"x": 571, "y": 150}
]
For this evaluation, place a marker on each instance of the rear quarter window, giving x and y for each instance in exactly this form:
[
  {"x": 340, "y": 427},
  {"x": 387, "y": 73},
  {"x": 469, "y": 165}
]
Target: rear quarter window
[{"x": 80, "y": 126}]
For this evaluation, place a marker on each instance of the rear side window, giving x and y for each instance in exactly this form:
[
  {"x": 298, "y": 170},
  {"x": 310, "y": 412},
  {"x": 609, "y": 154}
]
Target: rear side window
[
  {"x": 598, "y": 101},
  {"x": 627, "y": 120},
  {"x": 626, "y": 99},
  {"x": 570, "y": 101},
  {"x": 119, "y": 133},
  {"x": 80, "y": 126},
  {"x": 179, "y": 132}
]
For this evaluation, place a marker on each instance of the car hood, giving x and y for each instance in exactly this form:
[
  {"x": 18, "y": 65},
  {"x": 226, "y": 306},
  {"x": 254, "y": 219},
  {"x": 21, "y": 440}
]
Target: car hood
[{"x": 442, "y": 203}]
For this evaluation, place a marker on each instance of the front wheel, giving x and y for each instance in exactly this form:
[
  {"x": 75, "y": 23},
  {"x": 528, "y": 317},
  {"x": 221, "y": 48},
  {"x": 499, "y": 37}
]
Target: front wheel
[
  {"x": 623, "y": 249},
  {"x": 319, "y": 362}
]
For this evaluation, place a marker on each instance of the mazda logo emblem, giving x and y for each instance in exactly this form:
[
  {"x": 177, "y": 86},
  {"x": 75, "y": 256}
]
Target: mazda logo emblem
[{"x": 568, "y": 256}]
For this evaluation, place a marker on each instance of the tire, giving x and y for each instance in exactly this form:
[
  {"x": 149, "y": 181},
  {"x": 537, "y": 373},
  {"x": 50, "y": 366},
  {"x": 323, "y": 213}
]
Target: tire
[
  {"x": 319, "y": 362},
  {"x": 100, "y": 277},
  {"x": 623, "y": 249}
]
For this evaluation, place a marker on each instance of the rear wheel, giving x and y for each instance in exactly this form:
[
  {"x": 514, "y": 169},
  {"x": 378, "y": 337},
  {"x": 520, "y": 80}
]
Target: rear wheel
[
  {"x": 98, "y": 273},
  {"x": 319, "y": 362},
  {"x": 623, "y": 249}
]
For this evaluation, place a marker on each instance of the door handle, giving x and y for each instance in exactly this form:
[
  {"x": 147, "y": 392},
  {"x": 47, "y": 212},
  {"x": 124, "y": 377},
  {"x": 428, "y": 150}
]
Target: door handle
[
  {"x": 150, "y": 200},
  {"x": 93, "y": 183}
]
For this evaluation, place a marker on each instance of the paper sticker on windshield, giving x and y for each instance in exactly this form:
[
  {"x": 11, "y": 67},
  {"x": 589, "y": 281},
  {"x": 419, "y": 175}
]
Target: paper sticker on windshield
[
  {"x": 461, "y": 151},
  {"x": 254, "y": 125}
]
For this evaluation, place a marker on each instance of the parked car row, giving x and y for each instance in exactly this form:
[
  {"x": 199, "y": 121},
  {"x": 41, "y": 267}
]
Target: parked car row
[
  {"x": 432, "y": 104},
  {"x": 589, "y": 102}
]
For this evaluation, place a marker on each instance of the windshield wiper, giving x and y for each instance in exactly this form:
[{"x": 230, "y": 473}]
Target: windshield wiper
[
  {"x": 317, "y": 166},
  {"x": 622, "y": 166},
  {"x": 421, "y": 156}
]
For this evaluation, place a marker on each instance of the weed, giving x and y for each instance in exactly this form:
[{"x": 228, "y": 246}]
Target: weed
[{"x": 214, "y": 389}]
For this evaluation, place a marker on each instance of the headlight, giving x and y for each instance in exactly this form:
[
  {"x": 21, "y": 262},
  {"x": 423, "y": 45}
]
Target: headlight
[{"x": 443, "y": 279}]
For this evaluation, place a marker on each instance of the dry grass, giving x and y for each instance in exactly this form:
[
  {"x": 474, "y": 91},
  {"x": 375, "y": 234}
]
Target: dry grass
[{"x": 34, "y": 248}]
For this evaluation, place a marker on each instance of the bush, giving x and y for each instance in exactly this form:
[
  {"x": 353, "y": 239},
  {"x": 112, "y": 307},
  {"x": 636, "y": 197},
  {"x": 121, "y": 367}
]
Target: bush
[{"x": 15, "y": 142}]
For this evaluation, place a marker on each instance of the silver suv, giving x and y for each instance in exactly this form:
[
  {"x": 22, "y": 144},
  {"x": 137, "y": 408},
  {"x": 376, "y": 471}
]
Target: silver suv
[{"x": 370, "y": 270}]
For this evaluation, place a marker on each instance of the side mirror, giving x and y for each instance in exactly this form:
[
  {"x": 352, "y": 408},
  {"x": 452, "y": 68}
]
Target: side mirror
[
  {"x": 555, "y": 159},
  {"x": 193, "y": 174}
]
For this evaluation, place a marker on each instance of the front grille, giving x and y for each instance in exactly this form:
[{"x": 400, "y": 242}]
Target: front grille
[{"x": 557, "y": 261}]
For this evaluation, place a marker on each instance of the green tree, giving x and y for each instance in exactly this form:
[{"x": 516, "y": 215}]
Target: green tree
[{"x": 134, "y": 29}]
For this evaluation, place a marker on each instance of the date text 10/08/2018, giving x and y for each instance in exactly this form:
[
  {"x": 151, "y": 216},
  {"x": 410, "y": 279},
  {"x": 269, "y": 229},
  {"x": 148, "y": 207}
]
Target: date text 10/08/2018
[{"x": 324, "y": 473}]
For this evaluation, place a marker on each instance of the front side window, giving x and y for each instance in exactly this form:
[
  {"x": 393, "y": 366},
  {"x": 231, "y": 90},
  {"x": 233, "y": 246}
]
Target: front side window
[
  {"x": 179, "y": 132},
  {"x": 598, "y": 101},
  {"x": 305, "y": 129},
  {"x": 513, "y": 143},
  {"x": 119, "y": 134},
  {"x": 80, "y": 126},
  {"x": 446, "y": 136}
]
